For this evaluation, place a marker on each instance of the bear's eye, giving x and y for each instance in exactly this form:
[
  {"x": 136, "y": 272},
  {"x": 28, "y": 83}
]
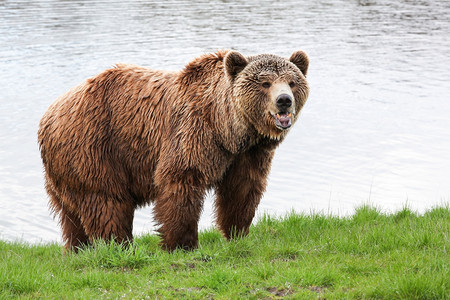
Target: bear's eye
[
  {"x": 291, "y": 84},
  {"x": 266, "y": 85}
]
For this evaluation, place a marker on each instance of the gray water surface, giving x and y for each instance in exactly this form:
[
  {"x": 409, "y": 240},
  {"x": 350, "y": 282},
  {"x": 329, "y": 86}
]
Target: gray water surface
[{"x": 376, "y": 128}]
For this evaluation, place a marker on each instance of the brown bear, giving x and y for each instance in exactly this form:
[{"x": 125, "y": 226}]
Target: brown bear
[{"x": 131, "y": 136}]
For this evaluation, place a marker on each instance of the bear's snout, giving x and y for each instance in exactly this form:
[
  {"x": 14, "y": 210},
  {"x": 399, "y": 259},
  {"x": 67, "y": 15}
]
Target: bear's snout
[{"x": 284, "y": 101}]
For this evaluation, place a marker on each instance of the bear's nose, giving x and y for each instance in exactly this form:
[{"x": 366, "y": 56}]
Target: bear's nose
[{"x": 284, "y": 101}]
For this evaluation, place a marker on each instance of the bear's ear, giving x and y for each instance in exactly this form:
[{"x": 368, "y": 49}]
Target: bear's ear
[
  {"x": 234, "y": 63},
  {"x": 300, "y": 59}
]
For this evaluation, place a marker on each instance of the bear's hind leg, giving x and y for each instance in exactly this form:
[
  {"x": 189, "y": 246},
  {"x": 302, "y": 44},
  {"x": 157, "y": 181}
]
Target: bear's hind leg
[
  {"x": 106, "y": 218},
  {"x": 72, "y": 231}
]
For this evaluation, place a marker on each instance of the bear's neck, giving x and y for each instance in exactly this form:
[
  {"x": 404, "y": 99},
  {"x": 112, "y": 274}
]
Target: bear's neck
[
  {"x": 208, "y": 96},
  {"x": 235, "y": 133}
]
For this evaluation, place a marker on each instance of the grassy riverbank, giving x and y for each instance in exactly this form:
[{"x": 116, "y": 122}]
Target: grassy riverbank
[{"x": 368, "y": 255}]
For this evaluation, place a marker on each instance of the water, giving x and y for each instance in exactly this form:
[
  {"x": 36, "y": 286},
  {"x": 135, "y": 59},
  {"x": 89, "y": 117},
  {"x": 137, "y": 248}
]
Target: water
[{"x": 376, "y": 128}]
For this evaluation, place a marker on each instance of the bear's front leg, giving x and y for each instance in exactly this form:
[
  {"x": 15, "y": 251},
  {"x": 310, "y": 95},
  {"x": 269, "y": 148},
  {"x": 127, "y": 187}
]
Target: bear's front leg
[
  {"x": 239, "y": 192},
  {"x": 177, "y": 209}
]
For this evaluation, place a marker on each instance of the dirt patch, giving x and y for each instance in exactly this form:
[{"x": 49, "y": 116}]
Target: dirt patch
[{"x": 279, "y": 292}]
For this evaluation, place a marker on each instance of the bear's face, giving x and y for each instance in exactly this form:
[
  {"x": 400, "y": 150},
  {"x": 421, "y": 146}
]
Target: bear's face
[{"x": 269, "y": 90}]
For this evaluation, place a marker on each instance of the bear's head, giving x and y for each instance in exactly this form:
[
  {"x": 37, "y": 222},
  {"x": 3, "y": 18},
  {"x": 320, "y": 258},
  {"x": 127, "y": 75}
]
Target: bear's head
[{"x": 269, "y": 90}]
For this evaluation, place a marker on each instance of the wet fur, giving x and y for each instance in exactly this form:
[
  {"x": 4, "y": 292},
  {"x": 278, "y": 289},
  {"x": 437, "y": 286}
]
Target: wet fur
[{"x": 132, "y": 135}]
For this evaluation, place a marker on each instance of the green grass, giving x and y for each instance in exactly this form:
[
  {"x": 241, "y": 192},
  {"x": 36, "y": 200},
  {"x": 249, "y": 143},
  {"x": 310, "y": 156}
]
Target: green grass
[{"x": 370, "y": 255}]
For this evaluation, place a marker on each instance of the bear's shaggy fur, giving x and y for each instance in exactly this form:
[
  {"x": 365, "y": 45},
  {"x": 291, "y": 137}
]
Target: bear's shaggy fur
[{"x": 130, "y": 136}]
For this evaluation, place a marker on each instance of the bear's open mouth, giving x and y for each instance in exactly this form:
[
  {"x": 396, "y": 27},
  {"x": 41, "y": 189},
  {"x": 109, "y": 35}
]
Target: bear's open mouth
[{"x": 283, "y": 120}]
